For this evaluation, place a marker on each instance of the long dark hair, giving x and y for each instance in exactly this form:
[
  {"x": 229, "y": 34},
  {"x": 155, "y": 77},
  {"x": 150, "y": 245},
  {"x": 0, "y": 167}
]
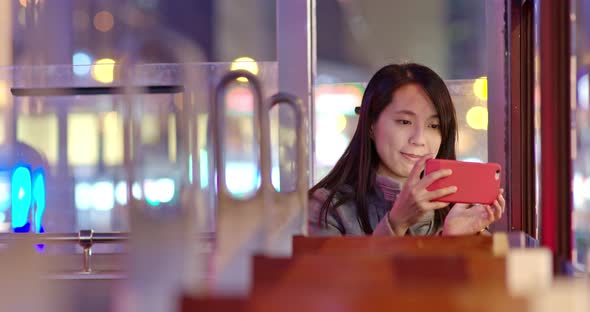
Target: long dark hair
[{"x": 358, "y": 165}]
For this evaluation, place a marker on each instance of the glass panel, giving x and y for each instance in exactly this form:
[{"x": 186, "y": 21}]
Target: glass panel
[
  {"x": 447, "y": 36},
  {"x": 336, "y": 121},
  {"x": 78, "y": 141},
  {"x": 581, "y": 133},
  {"x": 40, "y": 132},
  {"x": 354, "y": 38}
]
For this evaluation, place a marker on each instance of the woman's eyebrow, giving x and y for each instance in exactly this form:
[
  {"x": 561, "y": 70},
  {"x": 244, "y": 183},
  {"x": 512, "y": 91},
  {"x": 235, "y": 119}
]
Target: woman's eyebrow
[
  {"x": 409, "y": 112},
  {"x": 406, "y": 112}
]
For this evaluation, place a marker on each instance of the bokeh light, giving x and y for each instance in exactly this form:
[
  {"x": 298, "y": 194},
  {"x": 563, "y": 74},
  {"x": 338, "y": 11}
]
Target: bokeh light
[
  {"x": 24, "y": 3},
  {"x": 477, "y": 118},
  {"x": 104, "y": 21},
  {"x": 103, "y": 70},
  {"x": 245, "y": 63},
  {"x": 82, "y": 63},
  {"x": 583, "y": 92},
  {"x": 480, "y": 88}
]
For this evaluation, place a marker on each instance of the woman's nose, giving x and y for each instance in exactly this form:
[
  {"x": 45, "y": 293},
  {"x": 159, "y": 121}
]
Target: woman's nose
[{"x": 417, "y": 137}]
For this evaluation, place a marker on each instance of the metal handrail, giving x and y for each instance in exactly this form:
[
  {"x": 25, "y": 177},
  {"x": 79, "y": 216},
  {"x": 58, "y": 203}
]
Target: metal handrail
[
  {"x": 67, "y": 238},
  {"x": 85, "y": 238}
]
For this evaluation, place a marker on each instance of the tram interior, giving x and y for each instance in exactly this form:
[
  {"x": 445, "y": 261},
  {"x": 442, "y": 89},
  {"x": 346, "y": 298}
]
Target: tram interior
[{"x": 136, "y": 176}]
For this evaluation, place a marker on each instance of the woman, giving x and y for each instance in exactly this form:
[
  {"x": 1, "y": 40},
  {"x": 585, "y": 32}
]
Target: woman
[{"x": 406, "y": 117}]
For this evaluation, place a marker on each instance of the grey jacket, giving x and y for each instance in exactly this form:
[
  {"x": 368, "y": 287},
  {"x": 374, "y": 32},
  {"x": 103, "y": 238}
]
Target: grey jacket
[{"x": 344, "y": 219}]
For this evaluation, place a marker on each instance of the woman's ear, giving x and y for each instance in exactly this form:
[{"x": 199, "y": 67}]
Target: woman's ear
[{"x": 371, "y": 133}]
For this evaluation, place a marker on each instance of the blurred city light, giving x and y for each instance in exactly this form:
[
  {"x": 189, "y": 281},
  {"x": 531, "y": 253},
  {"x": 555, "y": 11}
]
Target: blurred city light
[
  {"x": 245, "y": 63},
  {"x": 104, "y": 21},
  {"x": 330, "y": 146},
  {"x": 204, "y": 168},
  {"x": 39, "y": 197},
  {"x": 241, "y": 178},
  {"x": 103, "y": 196},
  {"x": 338, "y": 99},
  {"x": 477, "y": 118},
  {"x": 82, "y": 63},
  {"x": 21, "y": 196},
  {"x": 4, "y": 93},
  {"x": 159, "y": 191},
  {"x": 4, "y": 193},
  {"x": 583, "y": 86},
  {"x": 240, "y": 100},
  {"x": 480, "y": 88},
  {"x": 24, "y": 3},
  {"x": 83, "y": 196},
  {"x": 103, "y": 70}
]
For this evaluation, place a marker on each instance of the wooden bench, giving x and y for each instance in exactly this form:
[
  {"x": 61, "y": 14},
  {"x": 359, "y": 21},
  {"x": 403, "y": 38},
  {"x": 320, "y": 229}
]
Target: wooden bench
[
  {"x": 380, "y": 271},
  {"x": 496, "y": 244},
  {"x": 299, "y": 299}
]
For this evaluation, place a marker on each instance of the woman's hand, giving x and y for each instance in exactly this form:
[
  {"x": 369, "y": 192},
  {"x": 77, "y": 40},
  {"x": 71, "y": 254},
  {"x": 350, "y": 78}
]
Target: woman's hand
[
  {"x": 464, "y": 219},
  {"x": 414, "y": 200}
]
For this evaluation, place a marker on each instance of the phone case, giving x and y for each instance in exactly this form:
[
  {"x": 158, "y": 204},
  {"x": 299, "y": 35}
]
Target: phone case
[{"x": 477, "y": 183}]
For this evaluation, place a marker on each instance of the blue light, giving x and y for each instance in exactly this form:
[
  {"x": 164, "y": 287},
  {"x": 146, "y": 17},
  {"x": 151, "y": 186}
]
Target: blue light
[
  {"x": 39, "y": 198},
  {"x": 204, "y": 168},
  {"x": 21, "y": 196},
  {"x": 82, "y": 63},
  {"x": 4, "y": 191}
]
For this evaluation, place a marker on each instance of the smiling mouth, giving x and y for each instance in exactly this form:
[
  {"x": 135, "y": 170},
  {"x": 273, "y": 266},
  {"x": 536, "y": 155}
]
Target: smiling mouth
[{"x": 412, "y": 157}]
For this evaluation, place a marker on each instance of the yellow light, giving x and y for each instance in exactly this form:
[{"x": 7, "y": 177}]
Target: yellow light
[
  {"x": 340, "y": 123},
  {"x": 4, "y": 93},
  {"x": 103, "y": 70},
  {"x": 172, "y": 138},
  {"x": 112, "y": 152},
  {"x": 40, "y": 132},
  {"x": 480, "y": 88},
  {"x": 150, "y": 129},
  {"x": 477, "y": 118},
  {"x": 245, "y": 63},
  {"x": 24, "y": 3},
  {"x": 202, "y": 128},
  {"x": 82, "y": 139},
  {"x": 104, "y": 21}
]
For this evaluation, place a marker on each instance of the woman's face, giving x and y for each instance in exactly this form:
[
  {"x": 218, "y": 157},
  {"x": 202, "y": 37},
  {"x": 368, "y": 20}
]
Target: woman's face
[{"x": 407, "y": 129}]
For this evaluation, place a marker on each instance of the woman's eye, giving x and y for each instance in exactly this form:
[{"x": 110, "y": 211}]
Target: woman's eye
[
  {"x": 403, "y": 122},
  {"x": 435, "y": 126}
]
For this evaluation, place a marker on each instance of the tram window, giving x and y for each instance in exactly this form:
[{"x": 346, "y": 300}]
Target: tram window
[
  {"x": 40, "y": 132},
  {"x": 580, "y": 136},
  {"x": 447, "y": 36},
  {"x": 112, "y": 139},
  {"x": 336, "y": 121},
  {"x": 82, "y": 139}
]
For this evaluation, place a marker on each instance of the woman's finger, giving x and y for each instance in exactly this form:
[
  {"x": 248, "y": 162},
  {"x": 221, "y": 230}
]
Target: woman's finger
[
  {"x": 497, "y": 210},
  {"x": 440, "y": 193},
  {"x": 502, "y": 202},
  {"x": 489, "y": 214},
  {"x": 414, "y": 175},
  {"x": 435, "y": 205},
  {"x": 433, "y": 176}
]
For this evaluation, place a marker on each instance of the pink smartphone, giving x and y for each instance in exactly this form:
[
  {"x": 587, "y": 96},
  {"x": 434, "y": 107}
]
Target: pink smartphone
[{"x": 477, "y": 183}]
